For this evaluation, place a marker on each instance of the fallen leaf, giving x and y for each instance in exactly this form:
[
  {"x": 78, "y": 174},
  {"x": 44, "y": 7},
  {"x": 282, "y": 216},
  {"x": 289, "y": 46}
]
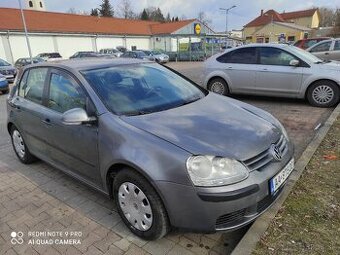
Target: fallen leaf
[{"x": 330, "y": 157}]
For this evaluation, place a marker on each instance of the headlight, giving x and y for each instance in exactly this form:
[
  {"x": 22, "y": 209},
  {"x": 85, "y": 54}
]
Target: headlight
[
  {"x": 2, "y": 78},
  {"x": 215, "y": 171}
]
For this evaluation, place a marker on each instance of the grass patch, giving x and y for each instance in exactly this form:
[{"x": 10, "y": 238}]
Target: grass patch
[{"x": 309, "y": 221}]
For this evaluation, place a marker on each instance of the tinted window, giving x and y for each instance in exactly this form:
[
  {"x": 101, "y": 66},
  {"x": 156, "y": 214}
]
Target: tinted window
[
  {"x": 65, "y": 94},
  {"x": 322, "y": 47},
  {"x": 310, "y": 43},
  {"x": 139, "y": 89},
  {"x": 337, "y": 45},
  {"x": 240, "y": 56},
  {"x": 32, "y": 84},
  {"x": 4, "y": 63},
  {"x": 273, "y": 56}
]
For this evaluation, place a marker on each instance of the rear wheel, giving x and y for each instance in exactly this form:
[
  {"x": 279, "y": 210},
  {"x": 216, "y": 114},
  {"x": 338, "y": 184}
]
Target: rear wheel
[
  {"x": 219, "y": 86},
  {"x": 20, "y": 147},
  {"x": 139, "y": 205},
  {"x": 323, "y": 94}
]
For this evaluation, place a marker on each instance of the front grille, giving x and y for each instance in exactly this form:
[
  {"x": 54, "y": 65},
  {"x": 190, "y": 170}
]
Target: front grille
[
  {"x": 233, "y": 217},
  {"x": 240, "y": 216},
  {"x": 265, "y": 157}
]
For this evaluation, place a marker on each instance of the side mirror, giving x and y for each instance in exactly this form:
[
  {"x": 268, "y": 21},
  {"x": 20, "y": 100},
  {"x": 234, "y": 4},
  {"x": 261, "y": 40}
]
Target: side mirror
[
  {"x": 294, "y": 62},
  {"x": 76, "y": 116}
]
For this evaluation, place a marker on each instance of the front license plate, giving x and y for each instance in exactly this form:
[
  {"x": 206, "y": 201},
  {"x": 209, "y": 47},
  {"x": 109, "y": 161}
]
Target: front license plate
[{"x": 277, "y": 181}]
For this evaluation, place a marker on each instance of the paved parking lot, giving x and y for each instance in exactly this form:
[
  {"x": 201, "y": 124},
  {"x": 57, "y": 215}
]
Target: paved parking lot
[{"x": 40, "y": 198}]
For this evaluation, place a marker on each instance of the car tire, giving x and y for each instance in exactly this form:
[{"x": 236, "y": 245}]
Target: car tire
[
  {"x": 323, "y": 94},
  {"x": 5, "y": 91},
  {"x": 219, "y": 86},
  {"x": 20, "y": 147},
  {"x": 134, "y": 196}
]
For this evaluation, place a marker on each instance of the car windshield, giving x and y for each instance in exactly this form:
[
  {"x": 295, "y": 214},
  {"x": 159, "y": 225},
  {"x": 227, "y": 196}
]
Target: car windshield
[
  {"x": 147, "y": 52},
  {"x": 156, "y": 52},
  {"x": 141, "y": 88},
  {"x": 4, "y": 63},
  {"x": 305, "y": 55},
  {"x": 141, "y": 54}
]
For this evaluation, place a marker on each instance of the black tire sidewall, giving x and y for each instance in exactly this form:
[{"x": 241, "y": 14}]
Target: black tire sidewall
[
  {"x": 28, "y": 157},
  {"x": 212, "y": 81},
  {"x": 335, "y": 88},
  {"x": 160, "y": 223}
]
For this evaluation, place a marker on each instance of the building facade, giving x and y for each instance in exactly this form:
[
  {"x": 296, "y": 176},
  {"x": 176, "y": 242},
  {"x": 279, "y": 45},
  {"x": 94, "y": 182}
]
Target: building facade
[
  {"x": 69, "y": 33},
  {"x": 272, "y": 26}
]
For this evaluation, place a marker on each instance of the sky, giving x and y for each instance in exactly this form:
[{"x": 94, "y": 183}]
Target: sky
[{"x": 244, "y": 11}]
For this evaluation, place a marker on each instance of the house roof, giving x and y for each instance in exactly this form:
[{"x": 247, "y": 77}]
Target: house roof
[
  {"x": 298, "y": 14},
  {"x": 168, "y": 28},
  {"x": 40, "y": 21},
  {"x": 266, "y": 17}
]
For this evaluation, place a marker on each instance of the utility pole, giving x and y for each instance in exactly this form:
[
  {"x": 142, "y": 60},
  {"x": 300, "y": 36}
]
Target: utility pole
[
  {"x": 26, "y": 34},
  {"x": 226, "y": 19}
]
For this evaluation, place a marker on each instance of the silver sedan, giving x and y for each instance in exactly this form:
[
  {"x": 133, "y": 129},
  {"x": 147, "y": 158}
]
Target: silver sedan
[
  {"x": 274, "y": 70},
  {"x": 328, "y": 50}
]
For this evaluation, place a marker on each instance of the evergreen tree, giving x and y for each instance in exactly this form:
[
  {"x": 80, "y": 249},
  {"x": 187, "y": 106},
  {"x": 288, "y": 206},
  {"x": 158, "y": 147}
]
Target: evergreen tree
[
  {"x": 106, "y": 9},
  {"x": 176, "y": 19},
  {"x": 168, "y": 19},
  {"x": 144, "y": 15}
]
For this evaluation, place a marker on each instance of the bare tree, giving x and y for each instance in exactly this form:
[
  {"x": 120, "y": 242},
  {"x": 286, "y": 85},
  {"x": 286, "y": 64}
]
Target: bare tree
[
  {"x": 125, "y": 10},
  {"x": 327, "y": 16},
  {"x": 203, "y": 18}
]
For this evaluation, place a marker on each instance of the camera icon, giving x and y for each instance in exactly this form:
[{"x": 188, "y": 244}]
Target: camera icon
[{"x": 17, "y": 237}]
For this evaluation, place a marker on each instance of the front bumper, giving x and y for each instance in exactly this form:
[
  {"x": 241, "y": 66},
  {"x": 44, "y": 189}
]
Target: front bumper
[
  {"x": 222, "y": 208},
  {"x": 4, "y": 85}
]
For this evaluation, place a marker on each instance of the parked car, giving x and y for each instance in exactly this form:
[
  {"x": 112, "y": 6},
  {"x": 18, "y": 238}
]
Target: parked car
[
  {"x": 169, "y": 152},
  {"x": 7, "y": 70},
  {"x": 327, "y": 50},
  {"x": 158, "y": 56},
  {"x": 308, "y": 42},
  {"x": 85, "y": 54},
  {"x": 121, "y": 49},
  {"x": 136, "y": 54},
  {"x": 49, "y": 56},
  {"x": 4, "y": 88},
  {"x": 114, "y": 52},
  {"x": 274, "y": 70},
  {"x": 21, "y": 62}
]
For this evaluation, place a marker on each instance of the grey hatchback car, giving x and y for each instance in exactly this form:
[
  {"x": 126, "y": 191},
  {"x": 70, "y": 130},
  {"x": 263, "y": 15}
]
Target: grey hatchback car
[{"x": 170, "y": 153}]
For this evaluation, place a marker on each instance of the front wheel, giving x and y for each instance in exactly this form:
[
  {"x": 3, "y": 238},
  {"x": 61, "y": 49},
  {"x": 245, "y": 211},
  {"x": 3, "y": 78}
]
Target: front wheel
[
  {"x": 323, "y": 94},
  {"x": 20, "y": 147},
  {"x": 139, "y": 205},
  {"x": 219, "y": 86}
]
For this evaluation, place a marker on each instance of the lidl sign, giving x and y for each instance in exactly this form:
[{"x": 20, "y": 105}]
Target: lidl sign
[{"x": 197, "y": 28}]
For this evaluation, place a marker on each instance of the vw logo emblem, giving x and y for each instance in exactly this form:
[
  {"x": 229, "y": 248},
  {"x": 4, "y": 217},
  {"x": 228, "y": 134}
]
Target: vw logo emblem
[{"x": 276, "y": 153}]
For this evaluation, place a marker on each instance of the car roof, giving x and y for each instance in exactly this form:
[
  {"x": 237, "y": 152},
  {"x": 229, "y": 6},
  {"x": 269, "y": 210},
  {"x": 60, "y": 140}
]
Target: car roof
[
  {"x": 89, "y": 64},
  {"x": 276, "y": 45}
]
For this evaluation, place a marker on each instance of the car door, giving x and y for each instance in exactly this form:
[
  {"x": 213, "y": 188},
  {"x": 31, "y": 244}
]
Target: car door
[
  {"x": 27, "y": 109},
  {"x": 240, "y": 67},
  {"x": 275, "y": 75},
  {"x": 335, "y": 52},
  {"x": 322, "y": 49},
  {"x": 73, "y": 147}
]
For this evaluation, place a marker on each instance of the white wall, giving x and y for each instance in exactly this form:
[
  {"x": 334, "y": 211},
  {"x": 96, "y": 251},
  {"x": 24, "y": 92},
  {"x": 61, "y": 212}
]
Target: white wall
[
  {"x": 68, "y": 45},
  {"x": 109, "y": 42},
  {"x": 140, "y": 43}
]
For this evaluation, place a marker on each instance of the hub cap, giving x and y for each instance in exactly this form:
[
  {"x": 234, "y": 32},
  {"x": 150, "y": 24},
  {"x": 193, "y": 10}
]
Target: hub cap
[
  {"x": 135, "y": 206},
  {"x": 217, "y": 87},
  {"x": 323, "y": 94},
  {"x": 18, "y": 143}
]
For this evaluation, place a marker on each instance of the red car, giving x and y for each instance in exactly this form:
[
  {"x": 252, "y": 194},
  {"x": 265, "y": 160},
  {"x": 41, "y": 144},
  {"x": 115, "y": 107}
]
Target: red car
[{"x": 309, "y": 42}]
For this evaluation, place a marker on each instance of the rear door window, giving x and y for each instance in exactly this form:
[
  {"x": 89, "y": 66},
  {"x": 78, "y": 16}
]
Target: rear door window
[
  {"x": 32, "y": 84},
  {"x": 273, "y": 56},
  {"x": 240, "y": 56},
  {"x": 322, "y": 47},
  {"x": 337, "y": 45}
]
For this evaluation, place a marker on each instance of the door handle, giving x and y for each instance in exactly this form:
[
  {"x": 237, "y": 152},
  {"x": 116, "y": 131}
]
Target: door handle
[
  {"x": 47, "y": 122},
  {"x": 264, "y": 70}
]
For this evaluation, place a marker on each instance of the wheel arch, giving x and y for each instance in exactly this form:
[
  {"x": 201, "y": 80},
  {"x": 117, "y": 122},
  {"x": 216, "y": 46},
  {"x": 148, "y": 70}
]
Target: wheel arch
[
  {"x": 217, "y": 77},
  {"x": 318, "y": 80}
]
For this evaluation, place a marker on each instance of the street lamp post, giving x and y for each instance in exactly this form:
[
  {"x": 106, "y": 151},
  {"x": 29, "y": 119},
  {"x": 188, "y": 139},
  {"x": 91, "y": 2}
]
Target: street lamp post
[
  {"x": 226, "y": 16},
  {"x": 26, "y": 34}
]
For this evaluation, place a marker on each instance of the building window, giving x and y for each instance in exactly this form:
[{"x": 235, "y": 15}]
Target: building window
[
  {"x": 41, "y": 5},
  {"x": 30, "y": 3}
]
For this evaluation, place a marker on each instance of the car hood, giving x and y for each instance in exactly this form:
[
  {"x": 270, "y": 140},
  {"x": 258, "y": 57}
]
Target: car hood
[
  {"x": 7, "y": 68},
  {"x": 213, "y": 125},
  {"x": 333, "y": 65}
]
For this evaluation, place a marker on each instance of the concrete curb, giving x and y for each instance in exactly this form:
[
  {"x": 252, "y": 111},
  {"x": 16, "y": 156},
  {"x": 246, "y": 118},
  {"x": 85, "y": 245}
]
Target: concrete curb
[{"x": 256, "y": 231}]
